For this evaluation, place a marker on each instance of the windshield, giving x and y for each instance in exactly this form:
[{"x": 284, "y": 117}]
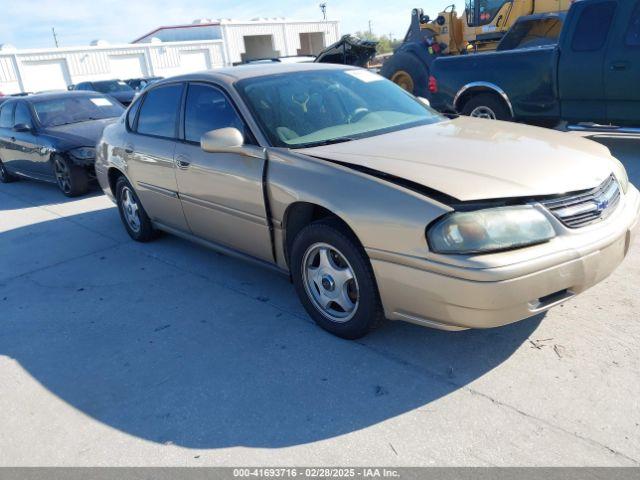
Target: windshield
[
  {"x": 64, "y": 111},
  {"x": 305, "y": 109},
  {"x": 111, "y": 87}
]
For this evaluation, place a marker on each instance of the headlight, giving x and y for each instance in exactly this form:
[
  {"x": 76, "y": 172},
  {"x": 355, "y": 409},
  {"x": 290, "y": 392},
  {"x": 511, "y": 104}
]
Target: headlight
[
  {"x": 83, "y": 153},
  {"x": 489, "y": 230}
]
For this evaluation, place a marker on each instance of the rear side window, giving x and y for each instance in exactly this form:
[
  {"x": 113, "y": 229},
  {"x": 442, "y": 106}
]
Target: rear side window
[
  {"x": 159, "y": 112},
  {"x": 593, "y": 27},
  {"x": 633, "y": 32},
  {"x": 208, "y": 109},
  {"x": 6, "y": 116},
  {"x": 23, "y": 115}
]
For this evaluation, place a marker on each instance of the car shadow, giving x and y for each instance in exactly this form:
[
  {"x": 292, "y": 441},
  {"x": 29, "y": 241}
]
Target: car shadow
[
  {"x": 39, "y": 194},
  {"x": 175, "y": 344}
]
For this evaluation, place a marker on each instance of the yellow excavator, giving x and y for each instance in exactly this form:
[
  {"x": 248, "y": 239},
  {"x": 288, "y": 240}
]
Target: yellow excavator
[{"x": 480, "y": 28}]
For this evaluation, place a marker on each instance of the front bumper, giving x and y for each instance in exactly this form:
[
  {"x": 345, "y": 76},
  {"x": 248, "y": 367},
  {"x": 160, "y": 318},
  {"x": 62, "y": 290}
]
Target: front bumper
[{"x": 460, "y": 299}]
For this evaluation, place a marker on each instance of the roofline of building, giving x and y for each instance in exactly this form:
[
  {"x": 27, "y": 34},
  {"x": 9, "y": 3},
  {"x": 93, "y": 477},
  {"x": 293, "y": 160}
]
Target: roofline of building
[{"x": 230, "y": 22}]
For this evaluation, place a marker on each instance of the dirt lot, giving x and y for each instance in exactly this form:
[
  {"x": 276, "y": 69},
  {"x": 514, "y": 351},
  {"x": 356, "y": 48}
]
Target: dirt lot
[{"x": 116, "y": 353}]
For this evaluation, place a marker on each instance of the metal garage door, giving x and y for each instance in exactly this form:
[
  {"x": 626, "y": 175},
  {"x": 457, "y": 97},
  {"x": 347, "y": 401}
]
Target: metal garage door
[
  {"x": 45, "y": 75},
  {"x": 194, "y": 61},
  {"x": 128, "y": 66}
]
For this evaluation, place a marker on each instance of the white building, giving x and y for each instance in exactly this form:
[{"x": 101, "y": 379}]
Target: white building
[{"x": 164, "y": 52}]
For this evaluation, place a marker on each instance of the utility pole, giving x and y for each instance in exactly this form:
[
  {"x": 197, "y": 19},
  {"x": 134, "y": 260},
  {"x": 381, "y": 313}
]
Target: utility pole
[
  {"x": 55, "y": 37},
  {"x": 370, "y": 30},
  {"x": 323, "y": 9}
]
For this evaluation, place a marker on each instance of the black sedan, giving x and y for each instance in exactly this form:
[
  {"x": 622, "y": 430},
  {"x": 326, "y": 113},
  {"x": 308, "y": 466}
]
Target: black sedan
[
  {"x": 52, "y": 137},
  {"x": 114, "y": 88}
]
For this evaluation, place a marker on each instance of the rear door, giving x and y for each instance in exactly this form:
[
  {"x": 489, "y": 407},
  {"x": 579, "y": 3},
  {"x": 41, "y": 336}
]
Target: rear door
[
  {"x": 148, "y": 148},
  {"x": 583, "y": 49},
  {"x": 622, "y": 67}
]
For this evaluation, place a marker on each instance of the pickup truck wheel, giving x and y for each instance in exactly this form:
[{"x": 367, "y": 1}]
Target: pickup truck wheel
[
  {"x": 487, "y": 106},
  {"x": 5, "y": 176},
  {"x": 132, "y": 213},
  {"x": 405, "y": 70},
  {"x": 334, "y": 280}
]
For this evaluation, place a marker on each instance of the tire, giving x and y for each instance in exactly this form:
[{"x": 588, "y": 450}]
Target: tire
[
  {"x": 132, "y": 213},
  {"x": 5, "y": 176},
  {"x": 319, "y": 279},
  {"x": 71, "y": 179},
  {"x": 406, "y": 70},
  {"x": 488, "y": 106}
]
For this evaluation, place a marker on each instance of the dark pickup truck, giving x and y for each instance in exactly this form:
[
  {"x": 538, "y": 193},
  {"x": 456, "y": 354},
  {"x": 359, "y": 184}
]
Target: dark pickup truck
[{"x": 581, "y": 67}]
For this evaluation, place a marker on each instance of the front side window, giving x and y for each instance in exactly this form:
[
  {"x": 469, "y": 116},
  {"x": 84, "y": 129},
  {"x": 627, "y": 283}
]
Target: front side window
[
  {"x": 6, "y": 115},
  {"x": 532, "y": 33},
  {"x": 633, "y": 32},
  {"x": 207, "y": 108},
  {"x": 75, "y": 109},
  {"x": 319, "y": 107},
  {"x": 593, "y": 27},
  {"x": 23, "y": 115},
  {"x": 159, "y": 112}
]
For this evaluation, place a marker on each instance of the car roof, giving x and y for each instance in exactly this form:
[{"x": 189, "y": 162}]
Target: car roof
[{"x": 241, "y": 72}]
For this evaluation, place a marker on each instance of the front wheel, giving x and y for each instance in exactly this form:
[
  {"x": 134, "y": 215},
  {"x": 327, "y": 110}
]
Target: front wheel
[
  {"x": 334, "y": 280},
  {"x": 71, "y": 179},
  {"x": 5, "y": 176}
]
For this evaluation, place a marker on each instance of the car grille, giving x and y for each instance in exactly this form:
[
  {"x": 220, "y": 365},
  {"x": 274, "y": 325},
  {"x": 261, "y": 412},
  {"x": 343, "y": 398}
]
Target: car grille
[{"x": 582, "y": 209}]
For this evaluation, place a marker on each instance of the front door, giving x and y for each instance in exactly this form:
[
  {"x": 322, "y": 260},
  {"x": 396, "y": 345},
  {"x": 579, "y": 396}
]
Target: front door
[
  {"x": 33, "y": 158},
  {"x": 148, "y": 149},
  {"x": 622, "y": 67},
  {"x": 221, "y": 193},
  {"x": 583, "y": 48}
]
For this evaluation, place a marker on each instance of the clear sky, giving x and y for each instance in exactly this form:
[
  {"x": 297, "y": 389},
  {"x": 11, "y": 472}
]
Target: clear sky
[{"x": 27, "y": 23}]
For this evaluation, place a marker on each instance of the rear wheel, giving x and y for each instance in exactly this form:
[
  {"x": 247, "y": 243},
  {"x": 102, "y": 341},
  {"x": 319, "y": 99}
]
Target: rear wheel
[
  {"x": 407, "y": 71},
  {"x": 132, "y": 213},
  {"x": 487, "y": 106},
  {"x": 335, "y": 281},
  {"x": 5, "y": 176},
  {"x": 71, "y": 179}
]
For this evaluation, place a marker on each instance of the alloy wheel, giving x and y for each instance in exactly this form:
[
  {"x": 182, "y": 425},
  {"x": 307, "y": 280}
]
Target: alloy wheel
[
  {"x": 330, "y": 282},
  {"x": 63, "y": 175},
  {"x": 483, "y": 112},
  {"x": 130, "y": 209}
]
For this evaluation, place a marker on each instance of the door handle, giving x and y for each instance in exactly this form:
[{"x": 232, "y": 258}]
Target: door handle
[
  {"x": 619, "y": 66},
  {"x": 182, "y": 162}
]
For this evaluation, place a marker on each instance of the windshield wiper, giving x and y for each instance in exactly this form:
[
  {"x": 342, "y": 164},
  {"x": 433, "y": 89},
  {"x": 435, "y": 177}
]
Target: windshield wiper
[{"x": 330, "y": 141}]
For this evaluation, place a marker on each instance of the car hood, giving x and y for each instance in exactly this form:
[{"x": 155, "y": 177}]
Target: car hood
[
  {"x": 83, "y": 134},
  {"x": 472, "y": 159}
]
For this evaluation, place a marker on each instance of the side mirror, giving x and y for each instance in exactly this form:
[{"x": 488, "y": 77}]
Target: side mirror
[
  {"x": 22, "y": 127},
  {"x": 424, "y": 101},
  {"x": 222, "y": 140}
]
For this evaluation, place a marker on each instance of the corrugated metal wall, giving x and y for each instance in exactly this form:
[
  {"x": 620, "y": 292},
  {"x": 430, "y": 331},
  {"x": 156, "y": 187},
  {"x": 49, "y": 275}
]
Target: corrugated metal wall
[
  {"x": 161, "y": 59},
  {"x": 93, "y": 63}
]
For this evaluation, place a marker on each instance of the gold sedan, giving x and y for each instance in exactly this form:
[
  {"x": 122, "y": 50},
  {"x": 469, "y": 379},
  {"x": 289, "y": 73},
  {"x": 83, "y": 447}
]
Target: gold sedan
[{"x": 375, "y": 205}]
